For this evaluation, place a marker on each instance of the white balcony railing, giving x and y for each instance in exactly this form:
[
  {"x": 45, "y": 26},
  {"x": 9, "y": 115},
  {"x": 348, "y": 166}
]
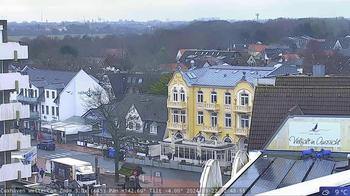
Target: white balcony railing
[
  {"x": 12, "y": 111},
  {"x": 14, "y": 141},
  {"x": 228, "y": 107},
  {"x": 177, "y": 126},
  {"x": 176, "y": 104},
  {"x": 242, "y": 131},
  {"x": 13, "y": 50},
  {"x": 211, "y": 106},
  {"x": 13, "y": 81},
  {"x": 14, "y": 171},
  {"x": 209, "y": 129},
  {"x": 242, "y": 108}
]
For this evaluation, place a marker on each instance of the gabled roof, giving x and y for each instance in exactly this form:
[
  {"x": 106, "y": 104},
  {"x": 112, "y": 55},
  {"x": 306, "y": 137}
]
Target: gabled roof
[
  {"x": 312, "y": 96},
  {"x": 149, "y": 107}
]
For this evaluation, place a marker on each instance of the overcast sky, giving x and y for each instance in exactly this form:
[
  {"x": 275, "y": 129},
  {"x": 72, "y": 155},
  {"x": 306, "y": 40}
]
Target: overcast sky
[{"x": 144, "y": 10}]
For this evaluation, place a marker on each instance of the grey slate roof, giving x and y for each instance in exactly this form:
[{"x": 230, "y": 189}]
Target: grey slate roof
[
  {"x": 150, "y": 107},
  {"x": 229, "y": 76},
  {"x": 295, "y": 95},
  {"x": 51, "y": 79}
]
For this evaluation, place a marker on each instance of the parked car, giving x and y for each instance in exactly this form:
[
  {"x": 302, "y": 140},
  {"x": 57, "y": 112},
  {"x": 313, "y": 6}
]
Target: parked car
[{"x": 46, "y": 145}]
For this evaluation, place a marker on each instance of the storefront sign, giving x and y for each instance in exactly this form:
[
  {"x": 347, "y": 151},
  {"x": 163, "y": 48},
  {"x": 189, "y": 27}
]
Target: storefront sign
[{"x": 314, "y": 134}]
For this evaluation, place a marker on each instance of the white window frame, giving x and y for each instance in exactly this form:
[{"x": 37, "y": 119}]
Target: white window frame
[
  {"x": 213, "y": 97},
  {"x": 183, "y": 116},
  {"x": 227, "y": 99},
  {"x": 200, "y": 97},
  {"x": 244, "y": 99},
  {"x": 200, "y": 117},
  {"x": 182, "y": 95},
  {"x": 214, "y": 119},
  {"x": 175, "y": 95},
  {"x": 244, "y": 121},
  {"x": 228, "y": 120},
  {"x": 153, "y": 129},
  {"x": 175, "y": 116}
]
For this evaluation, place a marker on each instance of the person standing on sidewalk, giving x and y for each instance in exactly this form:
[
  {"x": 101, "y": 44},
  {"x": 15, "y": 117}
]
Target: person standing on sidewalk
[{"x": 42, "y": 172}]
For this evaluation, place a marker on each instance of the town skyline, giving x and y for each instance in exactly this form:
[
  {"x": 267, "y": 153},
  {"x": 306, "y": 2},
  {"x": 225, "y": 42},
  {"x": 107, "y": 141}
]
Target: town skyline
[{"x": 25, "y": 10}]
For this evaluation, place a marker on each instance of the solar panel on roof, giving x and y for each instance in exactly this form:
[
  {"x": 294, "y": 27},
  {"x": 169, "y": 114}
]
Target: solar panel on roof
[
  {"x": 249, "y": 176},
  {"x": 272, "y": 177},
  {"x": 320, "y": 168},
  {"x": 297, "y": 173}
]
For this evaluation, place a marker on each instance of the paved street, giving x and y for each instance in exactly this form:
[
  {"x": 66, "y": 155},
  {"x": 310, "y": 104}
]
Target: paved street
[{"x": 171, "y": 177}]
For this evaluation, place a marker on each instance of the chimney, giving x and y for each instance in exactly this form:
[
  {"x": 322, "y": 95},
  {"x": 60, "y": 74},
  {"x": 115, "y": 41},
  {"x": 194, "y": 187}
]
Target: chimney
[{"x": 318, "y": 70}]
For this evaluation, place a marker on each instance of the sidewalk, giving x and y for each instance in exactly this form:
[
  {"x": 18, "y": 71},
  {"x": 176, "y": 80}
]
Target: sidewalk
[{"x": 75, "y": 147}]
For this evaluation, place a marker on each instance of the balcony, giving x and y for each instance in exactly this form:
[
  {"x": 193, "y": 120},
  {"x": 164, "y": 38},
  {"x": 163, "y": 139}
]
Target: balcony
[
  {"x": 14, "y": 171},
  {"x": 208, "y": 129},
  {"x": 176, "y": 104},
  {"x": 242, "y": 108},
  {"x": 211, "y": 106},
  {"x": 200, "y": 105},
  {"x": 177, "y": 126},
  {"x": 13, "y": 51},
  {"x": 29, "y": 100},
  {"x": 14, "y": 141},
  {"x": 12, "y": 111},
  {"x": 13, "y": 81},
  {"x": 228, "y": 107},
  {"x": 242, "y": 131}
]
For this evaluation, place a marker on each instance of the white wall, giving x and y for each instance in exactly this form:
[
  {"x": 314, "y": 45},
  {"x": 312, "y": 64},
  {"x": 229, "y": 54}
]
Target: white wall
[
  {"x": 73, "y": 97},
  {"x": 49, "y": 102}
]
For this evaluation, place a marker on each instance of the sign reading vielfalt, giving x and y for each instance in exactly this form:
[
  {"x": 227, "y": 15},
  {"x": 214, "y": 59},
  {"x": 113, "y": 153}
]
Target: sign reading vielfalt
[
  {"x": 303, "y": 132},
  {"x": 315, "y": 134}
]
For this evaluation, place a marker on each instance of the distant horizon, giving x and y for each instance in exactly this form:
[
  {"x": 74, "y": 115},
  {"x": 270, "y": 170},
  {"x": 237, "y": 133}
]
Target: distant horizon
[
  {"x": 165, "y": 10},
  {"x": 165, "y": 21}
]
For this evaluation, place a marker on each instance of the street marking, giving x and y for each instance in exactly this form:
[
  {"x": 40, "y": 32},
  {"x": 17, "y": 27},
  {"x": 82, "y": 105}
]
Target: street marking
[{"x": 65, "y": 154}]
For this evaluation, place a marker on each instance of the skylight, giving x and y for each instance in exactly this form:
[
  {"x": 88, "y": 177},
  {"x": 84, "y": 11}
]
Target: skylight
[{"x": 191, "y": 75}]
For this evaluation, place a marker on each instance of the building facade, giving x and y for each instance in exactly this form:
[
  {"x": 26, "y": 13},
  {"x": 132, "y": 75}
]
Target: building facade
[
  {"x": 55, "y": 95},
  {"x": 211, "y": 108},
  {"x": 144, "y": 116},
  {"x": 11, "y": 139}
]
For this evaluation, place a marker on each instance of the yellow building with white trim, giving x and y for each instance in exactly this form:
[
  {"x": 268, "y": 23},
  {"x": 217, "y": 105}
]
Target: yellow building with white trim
[{"x": 211, "y": 108}]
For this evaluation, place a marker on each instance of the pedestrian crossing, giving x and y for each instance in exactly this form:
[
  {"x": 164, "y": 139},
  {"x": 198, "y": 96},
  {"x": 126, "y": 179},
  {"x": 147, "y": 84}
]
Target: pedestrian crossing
[{"x": 58, "y": 155}]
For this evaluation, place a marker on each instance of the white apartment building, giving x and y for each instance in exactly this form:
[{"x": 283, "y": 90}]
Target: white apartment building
[
  {"x": 55, "y": 95},
  {"x": 11, "y": 139}
]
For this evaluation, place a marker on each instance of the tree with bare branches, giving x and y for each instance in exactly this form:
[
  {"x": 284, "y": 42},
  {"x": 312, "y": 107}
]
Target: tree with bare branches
[{"x": 101, "y": 100}]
